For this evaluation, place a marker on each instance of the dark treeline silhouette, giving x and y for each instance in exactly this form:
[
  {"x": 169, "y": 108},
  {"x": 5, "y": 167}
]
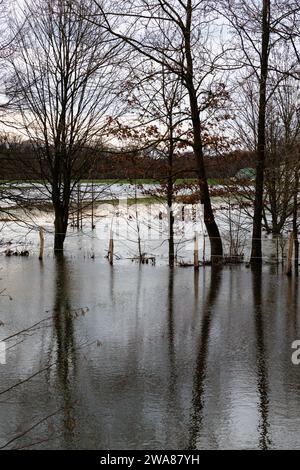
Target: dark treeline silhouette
[{"x": 19, "y": 162}]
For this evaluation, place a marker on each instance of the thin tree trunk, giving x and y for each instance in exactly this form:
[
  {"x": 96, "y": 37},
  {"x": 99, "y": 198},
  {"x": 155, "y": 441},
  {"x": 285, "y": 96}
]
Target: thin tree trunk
[
  {"x": 196, "y": 252},
  {"x": 138, "y": 228},
  {"x": 93, "y": 225},
  {"x": 295, "y": 221},
  {"x": 171, "y": 232},
  {"x": 256, "y": 254},
  {"x": 170, "y": 190},
  {"x": 78, "y": 206}
]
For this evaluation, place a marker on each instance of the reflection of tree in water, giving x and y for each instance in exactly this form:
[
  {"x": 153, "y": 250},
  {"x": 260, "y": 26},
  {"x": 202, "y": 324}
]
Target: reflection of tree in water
[
  {"x": 174, "y": 410},
  {"x": 171, "y": 333},
  {"x": 201, "y": 360},
  {"x": 262, "y": 376},
  {"x": 63, "y": 336},
  {"x": 62, "y": 359}
]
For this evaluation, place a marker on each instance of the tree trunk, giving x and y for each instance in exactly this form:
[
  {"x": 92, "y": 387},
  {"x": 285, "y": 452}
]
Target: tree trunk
[
  {"x": 295, "y": 221},
  {"x": 60, "y": 226},
  {"x": 170, "y": 195},
  {"x": 171, "y": 236},
  {"x": 290, "y": 254},
  {"x": 256, "y": 254},
  {"x": 209, "y": 219}
]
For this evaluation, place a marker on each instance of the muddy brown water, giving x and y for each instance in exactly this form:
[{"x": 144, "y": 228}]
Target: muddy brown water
[{"x": 131, "y": 357}]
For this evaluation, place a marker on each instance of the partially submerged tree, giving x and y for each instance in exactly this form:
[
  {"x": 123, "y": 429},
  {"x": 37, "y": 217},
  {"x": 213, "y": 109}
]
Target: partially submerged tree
[
  {"x": 257, "y": 26},
  {"x": 156, "y": 97},
  {"x": 281, "y": 160},
  {"x": 176, "y": 35},
  {"x": 252, "y": 23},
  {"x": 61, "y": 82},
  {"x": 165, "y": 108}
]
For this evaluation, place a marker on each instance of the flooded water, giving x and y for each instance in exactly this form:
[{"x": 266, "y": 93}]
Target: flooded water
[
  {"x": 141, "y": 357},
  {"x": 138, "y": 229}
]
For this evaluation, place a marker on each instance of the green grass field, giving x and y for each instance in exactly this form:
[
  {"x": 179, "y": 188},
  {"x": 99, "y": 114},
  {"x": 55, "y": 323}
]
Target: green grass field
[{"x": 31, "y": 183}]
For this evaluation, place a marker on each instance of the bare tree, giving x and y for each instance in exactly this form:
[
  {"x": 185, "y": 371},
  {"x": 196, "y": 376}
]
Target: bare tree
[
  {"x": 281, "y": 163},
  {"x": 256, "y": 25},
  {"x": 252, "y": 23},
  {"x": 176, "y": 35},
  {"x": 289, "y": 31},
  {"x": 156, "y": 96},
  {"x": 256, "y": 254},
  {"x": 61, "y": 82}
]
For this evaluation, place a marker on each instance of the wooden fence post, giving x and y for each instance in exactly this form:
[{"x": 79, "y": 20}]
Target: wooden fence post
[
  {"x": 111, "y": 249},
  {"x": 196, "y": 252},
  {"x": 42, "y": 243}
]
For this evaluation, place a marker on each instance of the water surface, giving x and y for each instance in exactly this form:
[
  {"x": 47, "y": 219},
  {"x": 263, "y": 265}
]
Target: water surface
[{"x": 141, "y": 357}]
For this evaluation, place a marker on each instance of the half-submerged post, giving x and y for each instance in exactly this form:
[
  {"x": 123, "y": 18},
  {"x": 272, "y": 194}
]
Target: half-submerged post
[
  {"x": 42, "y": 243},
  {"x": 78, "y": 206},
  {"x": 93, "y": 225},
  {"x": 196, "y": 252},
  {"x": 290, "y": 255},
  {"x": 111, "y": 249}
]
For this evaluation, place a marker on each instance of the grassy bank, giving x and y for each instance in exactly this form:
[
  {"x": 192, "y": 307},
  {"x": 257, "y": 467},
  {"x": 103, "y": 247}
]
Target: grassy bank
[{"x": 15, "y": 184}]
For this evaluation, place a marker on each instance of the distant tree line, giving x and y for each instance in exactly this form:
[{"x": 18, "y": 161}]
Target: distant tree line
[{"x": 19, "y": 162}]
